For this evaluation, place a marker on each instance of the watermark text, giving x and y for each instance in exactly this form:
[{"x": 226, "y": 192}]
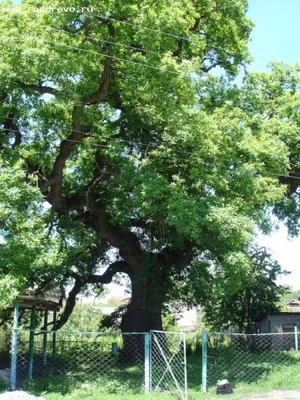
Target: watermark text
[{"x": 60, "y": 10}]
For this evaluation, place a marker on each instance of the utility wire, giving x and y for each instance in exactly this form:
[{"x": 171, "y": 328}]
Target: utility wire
[
  {"x": 94, "y": 135},
  {"x": 136, "y": 48},
  {"x": 160, "y": 69},
  {"x": 163, "y": 70},
  {"x": 109, "y": 146},
  {"x": 163, "y": 33},
  {"x": 147, "y": 29}
]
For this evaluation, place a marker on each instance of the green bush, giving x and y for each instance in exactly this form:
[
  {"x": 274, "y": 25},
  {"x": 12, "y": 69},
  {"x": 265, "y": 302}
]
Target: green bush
[
  {"x": 194, "y": 342},
  {"x": 3, "y": 386},
  {"x": 84, "y": 318},
  {"x": 169, "y": 323}
]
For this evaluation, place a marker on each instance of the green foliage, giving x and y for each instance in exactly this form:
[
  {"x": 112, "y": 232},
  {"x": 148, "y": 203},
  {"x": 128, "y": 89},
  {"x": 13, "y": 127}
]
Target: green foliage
[
  {"x": 194, "y": 343},
  {"x": 281, "y": 376},
  {"x": 84, "y": 318},
  {"x": 3, "y": 386},
  {"x": 113, "y": 320},
  {"x": 57, "y": 388},
  {"x": 259, "y": 295},
  {"x": 168, "y": 157},
  {"x": 169, "y": 322}
]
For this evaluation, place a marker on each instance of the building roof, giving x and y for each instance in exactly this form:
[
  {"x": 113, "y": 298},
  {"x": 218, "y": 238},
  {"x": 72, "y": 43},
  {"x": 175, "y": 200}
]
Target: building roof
[
  {"x": 283, "y": 313},
  {"x": 294, "y": 304},
  {"x": 29, "y": 302}
]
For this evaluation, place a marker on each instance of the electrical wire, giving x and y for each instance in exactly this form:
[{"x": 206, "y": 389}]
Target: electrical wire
[
  {"x": 168, "y": 34},
  {"x": 163, "y": 33},
  {"x": 94, "y": 135},
  {"x": 109, "y": 146},
  {"x": 135, "y": 48},
  {"x": 147, "y": 29},
  {"x": 162, "y": 70}
]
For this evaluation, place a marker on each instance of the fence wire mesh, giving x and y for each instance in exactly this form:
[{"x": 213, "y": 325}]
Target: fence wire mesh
[
  {"x": 84, "y": 356},
  {"x": 168, "y": 363},
  {"x": 242, "y": 358}
]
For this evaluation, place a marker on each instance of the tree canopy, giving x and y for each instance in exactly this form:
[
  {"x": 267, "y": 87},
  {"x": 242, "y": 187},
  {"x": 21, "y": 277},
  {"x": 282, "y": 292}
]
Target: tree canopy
[
  {"x": 244, "y": 309},
  {"x": 119, "y": 149}
]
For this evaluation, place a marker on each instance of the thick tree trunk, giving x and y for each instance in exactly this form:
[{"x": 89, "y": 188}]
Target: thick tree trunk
[{"x": 144, "y": 313}]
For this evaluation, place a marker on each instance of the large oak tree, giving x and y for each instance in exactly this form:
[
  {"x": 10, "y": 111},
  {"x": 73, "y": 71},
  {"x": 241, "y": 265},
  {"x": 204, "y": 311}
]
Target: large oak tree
[{"x": 119, "y": 149}]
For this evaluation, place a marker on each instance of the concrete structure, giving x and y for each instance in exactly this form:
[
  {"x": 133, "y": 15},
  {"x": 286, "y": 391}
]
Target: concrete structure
[
  {"x": 283, "y": 324},
  {"x": 189, "y": 320},
  {"x": 280, "y": 322}
]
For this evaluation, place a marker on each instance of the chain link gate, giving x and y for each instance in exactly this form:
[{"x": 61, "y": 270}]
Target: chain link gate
[{"x": 168, "y": 373}]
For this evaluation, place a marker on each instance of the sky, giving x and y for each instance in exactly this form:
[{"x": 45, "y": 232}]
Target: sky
[{"x": 274, "y": 38}]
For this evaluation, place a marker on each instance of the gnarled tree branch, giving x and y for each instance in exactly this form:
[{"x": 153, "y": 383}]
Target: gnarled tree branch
[
  {"x": 66, "y": 147},
  {"x": 81, "y": 281},
  {"x": 100, "y": 93},
  {"x": 38, "y": 88}
]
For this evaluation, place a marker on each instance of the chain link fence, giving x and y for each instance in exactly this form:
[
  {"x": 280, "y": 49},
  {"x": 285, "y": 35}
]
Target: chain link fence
[
  {"x": 243, "y": 358},
  {"x": 139, "y": 362},
  {"x": 85, "y": 356},
  {"x": 168, "y": 363}
]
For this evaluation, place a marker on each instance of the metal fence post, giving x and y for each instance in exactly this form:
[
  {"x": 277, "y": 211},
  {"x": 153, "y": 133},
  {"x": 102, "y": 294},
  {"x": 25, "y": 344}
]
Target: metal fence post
[
  {"x": 45, "y": 338},
  {"x": 204, "y": 362},
  {"x": 54, "y": 337},
  {"x": 147, "y": 362},
  {"x": 31, "y": 343},
  {"x": 185, "y": 367},
  {"x": 14, "y": 348},
  {"x": 296, "y": 337}
]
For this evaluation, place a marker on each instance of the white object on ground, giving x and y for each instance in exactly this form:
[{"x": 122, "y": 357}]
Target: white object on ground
[{"x": 18, "y": 395}]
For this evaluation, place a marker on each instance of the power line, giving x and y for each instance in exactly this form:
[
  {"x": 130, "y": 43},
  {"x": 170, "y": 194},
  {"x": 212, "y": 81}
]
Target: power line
[
  {"x": 231, "y": 54},
  {"x": 159, "y": 69},
  {"x": 136, "y": 48},
  {"x": 164, "y": 33},
  {"x": 163, "y": 70},
  {"x": 147, "y": 29},
  {"x": 188, "y": 39},
  {"x": 109, "y": 146},
  {"x": 113, "y": 43},
  {"x": 90, "y": 134},
  {"x": 94, "y": 135}
]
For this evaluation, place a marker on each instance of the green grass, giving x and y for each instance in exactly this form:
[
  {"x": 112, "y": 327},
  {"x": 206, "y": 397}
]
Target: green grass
[
  {"x": 127, "y": 385},
  {"x": 68, "y": 388},
  {"x": 280, "y": 377}
]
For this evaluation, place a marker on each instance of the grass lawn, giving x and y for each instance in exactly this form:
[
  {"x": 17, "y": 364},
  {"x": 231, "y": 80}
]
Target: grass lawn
[{"x": 284, "y": 376}]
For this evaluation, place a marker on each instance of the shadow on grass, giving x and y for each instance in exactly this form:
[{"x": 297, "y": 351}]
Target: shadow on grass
[{"x": 113, "y": 382}]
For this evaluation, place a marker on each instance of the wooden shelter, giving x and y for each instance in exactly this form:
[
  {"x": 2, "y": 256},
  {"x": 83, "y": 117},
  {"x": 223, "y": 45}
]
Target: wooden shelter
[{"x": 34, "y": 304}]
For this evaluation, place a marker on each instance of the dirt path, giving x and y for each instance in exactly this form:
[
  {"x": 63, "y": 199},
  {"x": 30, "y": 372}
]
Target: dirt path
[{"x": 279, "y": 395}]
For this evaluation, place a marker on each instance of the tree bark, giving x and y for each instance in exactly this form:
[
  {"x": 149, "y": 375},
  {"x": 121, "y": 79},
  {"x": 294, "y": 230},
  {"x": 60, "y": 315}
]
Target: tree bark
[{"x": 144, "y": 311}]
